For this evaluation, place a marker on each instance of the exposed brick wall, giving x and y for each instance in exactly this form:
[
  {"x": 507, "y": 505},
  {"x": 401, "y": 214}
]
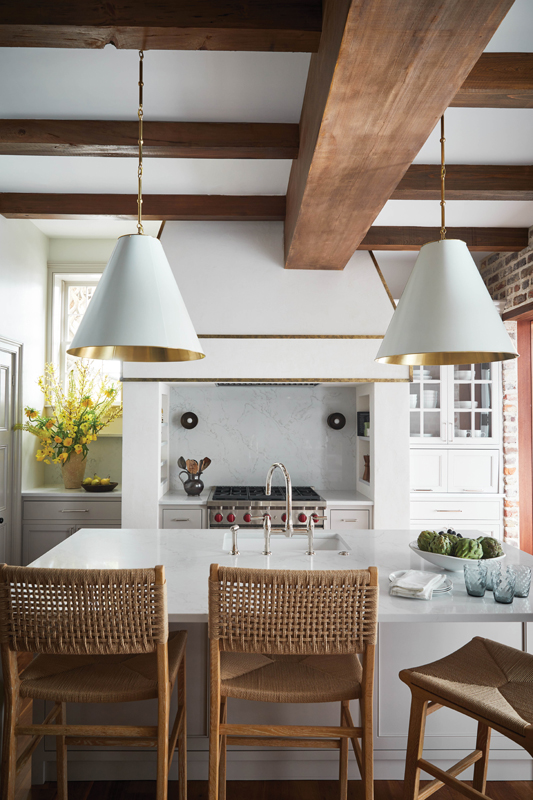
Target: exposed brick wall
[{"x": 509, "y": 278}]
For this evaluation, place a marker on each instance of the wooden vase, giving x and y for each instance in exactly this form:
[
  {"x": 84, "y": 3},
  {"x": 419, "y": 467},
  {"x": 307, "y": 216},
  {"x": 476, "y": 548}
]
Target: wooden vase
[
  {"x": 366, "y": 474},
  {"x": 73, "y": 470}
]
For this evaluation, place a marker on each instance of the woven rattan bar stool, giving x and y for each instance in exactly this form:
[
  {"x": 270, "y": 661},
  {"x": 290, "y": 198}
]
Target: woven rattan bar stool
[
  {"x": 100, "y": 636},
  {"x": 485, "y": 680},
  {"x": 292, "y": 637}
]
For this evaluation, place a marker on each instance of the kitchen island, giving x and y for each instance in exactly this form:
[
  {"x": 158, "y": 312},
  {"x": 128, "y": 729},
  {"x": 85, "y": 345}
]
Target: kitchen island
[{"x": 411, "y": 632}]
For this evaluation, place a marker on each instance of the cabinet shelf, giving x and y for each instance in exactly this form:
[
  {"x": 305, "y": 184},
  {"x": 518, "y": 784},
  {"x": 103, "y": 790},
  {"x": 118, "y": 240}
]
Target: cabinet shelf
[
  {"x": 364, "y": 438},
  {"x": 367, "y": 483}
]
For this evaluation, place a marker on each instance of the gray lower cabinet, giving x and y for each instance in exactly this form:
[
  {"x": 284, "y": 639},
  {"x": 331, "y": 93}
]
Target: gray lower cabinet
[
  {"x": 183, "y": 517},
  {"x": 46, "y": 523}
]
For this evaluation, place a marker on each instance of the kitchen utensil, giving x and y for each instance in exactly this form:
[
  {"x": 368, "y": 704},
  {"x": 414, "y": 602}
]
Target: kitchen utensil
[
  {"x": 204, "y": 463},
  {"x": 194, "y": 466},
  {"x": 182, "y": 463},
  {"x": 451, "y": 563},
  {"x": 447, "y": 586}
]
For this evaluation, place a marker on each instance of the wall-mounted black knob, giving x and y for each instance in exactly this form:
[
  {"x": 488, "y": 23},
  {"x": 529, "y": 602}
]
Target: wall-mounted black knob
[
  {"x": 189, "y": 420},
  {"x": 1, "y": 520},
  {"x": 337, "y": 421}
]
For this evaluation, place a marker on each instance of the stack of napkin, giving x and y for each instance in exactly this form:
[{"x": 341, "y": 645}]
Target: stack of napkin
[{"x": 417, "y": 584}]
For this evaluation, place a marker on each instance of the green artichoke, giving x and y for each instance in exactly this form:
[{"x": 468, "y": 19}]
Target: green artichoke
[
  {"x": 425, "y": 539},
  {"x": 491, "y": 547},
  {"x": 468, "y": 548},
  {"x": 453, "y": 538},
  {"x": 440, "y": 545}
]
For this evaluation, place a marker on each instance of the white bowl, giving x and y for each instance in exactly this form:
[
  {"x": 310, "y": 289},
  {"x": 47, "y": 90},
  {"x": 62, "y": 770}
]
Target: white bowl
[
  {"x": 463, "y": 375},
  {"x": 451, "y": 563},
  {"x": 413, "y": 400}
]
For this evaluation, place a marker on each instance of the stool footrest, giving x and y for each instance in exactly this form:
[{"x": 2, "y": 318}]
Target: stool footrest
[
  {"x": 448, "y": 777},
  {"x": 277, "y": 741}
]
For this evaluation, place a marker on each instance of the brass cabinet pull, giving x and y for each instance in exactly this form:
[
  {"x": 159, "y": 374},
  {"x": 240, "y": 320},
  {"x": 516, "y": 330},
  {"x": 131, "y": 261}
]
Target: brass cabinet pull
[
  {"x": 180, "y": 520},
  {"x": 448, "y": 510},
  {"x": 73, "y": 510}
]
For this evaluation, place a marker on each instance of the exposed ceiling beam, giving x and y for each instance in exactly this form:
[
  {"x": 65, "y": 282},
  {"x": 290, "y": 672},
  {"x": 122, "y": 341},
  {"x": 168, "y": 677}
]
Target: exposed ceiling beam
[
  {"x": 160, "y": 206},
  {"x": 466, "y": 182},
  {"x": 63, "y": 137},
  {"x": 500, "y": 240},
  {"x": 498, "y": 80},
  {"x": 384, "y": 74},
  {"x": 271, "y": 25}
]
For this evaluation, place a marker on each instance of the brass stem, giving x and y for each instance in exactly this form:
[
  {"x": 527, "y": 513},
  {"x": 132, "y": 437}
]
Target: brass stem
[
  {"x": 442, "y": 182},
  {"x": 140, "y": 228}
]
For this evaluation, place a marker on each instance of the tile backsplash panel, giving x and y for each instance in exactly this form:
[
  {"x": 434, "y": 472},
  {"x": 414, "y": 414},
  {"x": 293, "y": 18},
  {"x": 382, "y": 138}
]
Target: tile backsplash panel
[{"x": 243, "y": 430}]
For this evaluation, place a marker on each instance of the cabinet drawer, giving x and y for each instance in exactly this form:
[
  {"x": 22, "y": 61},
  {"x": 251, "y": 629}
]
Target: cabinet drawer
[
  {"x": 349, "y": 519},
  {"x": 78, "y": 511},
  {"x": 182, "y": 518},
  {"x": 456, "y": 509}
]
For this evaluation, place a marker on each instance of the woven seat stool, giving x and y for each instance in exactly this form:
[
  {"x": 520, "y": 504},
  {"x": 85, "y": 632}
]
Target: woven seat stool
[
  {"x": 287, "y": 636},
  {"x": 485, "y": 680},
  {"x": 99, "y": 636}
]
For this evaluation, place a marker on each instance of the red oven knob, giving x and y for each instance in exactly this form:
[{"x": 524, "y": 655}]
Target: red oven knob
[
  {"x": 231, "y": 517},
  {"x": 218, "y": 517},
  {"x": 302, "y": 518},
  {"x": 315, "y": 517},
  {"x": 284, "y": 518},
  {"x": 247, "y": 517}
]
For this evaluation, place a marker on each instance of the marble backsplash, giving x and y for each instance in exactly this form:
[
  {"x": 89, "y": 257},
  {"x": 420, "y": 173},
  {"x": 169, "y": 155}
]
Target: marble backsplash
[{"x": 243, "y": 430}]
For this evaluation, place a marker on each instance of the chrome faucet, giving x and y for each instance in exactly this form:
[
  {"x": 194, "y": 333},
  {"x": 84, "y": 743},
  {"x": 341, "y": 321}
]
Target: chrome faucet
[
  {"x": 288, "y": 530},
  {"x": 310, "y": 531}
]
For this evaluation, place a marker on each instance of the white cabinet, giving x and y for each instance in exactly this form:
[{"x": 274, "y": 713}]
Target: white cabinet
[
  {"x": 456, "y": 405},
  {"x": 46, "y": 523},
  {"x": 182, "y": 517},
  {"x": 349, "y": 519},
  {"x": 454, "y": 470}
]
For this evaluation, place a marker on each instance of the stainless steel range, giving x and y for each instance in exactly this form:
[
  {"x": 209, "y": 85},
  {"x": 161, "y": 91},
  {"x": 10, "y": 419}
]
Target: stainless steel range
[{"x": 237, "y": 505}]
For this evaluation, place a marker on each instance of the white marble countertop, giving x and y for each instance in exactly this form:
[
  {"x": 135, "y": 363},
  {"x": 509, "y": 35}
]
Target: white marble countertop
[
  {"x": 60, "y": 493},
  {"x": 187, "y": 555},
  {"x": 345, "y": 498},
  {"x": 182, "y": 499}
]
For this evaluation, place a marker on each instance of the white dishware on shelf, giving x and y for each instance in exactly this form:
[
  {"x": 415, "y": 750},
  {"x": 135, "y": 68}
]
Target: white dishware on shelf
[
  {"x": 466, "y": 404},
  {"x": 463, "y": 375},
  {"x": 431, "y": 398},
  {"x": 413, "y": 400},
  {"x": 451, "y": 563},
  {"x": 459, "y": 432}
]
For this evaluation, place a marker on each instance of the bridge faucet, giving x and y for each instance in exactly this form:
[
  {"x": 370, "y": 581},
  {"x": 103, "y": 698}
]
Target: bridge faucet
[{"x": 288, "y": 494}]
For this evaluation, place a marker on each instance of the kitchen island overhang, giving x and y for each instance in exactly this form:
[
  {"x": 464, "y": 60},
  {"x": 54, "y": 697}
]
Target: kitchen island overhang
[{"x": 410, "y": 633}]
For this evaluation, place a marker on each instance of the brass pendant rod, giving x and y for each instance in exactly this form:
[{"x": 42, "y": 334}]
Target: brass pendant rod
[
  {"x": 442, "y": 182},
  {"x": 140, "y": 228}
]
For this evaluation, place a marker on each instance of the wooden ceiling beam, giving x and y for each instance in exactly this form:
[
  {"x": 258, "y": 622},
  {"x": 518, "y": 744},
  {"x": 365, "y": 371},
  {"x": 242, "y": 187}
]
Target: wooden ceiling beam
[
  {"x": 498, "y": 80},
  {"x": 221, "y": 208},
  {"x": 466, "y": 182},
  {"x": 384, "y": 74},
  {"x": 261, "y": 25},
  {"x": 500, "y": 240},
  {"x": 63, "y": 137}
]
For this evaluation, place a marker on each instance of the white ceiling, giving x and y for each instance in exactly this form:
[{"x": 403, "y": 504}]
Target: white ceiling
[{"x": 217, "y": 86}]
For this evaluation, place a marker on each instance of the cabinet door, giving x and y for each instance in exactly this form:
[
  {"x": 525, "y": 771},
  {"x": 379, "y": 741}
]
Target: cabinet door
[
  {"x": 349, "y": 519},
  {"x": 473, "y": 470},
  {"x": 428, "y": 400},
  {"x": 474, "y": 404},
  {"x": 429, "y": 470},
  {"x": 38, "y": 538},
  {"x": 182, "y": 518}
]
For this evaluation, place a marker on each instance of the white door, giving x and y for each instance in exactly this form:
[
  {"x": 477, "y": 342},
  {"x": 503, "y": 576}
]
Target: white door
[
  {"x": 473, "y": 470},
  {"x": 429, "y": 470},
  {"x": 6, "y": 451}
]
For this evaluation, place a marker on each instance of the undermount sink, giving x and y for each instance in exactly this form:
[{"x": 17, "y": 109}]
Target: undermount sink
[{"x": 253, "y": 541}]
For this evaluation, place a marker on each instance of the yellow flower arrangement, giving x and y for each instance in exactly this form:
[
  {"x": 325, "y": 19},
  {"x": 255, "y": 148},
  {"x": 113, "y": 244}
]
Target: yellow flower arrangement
[{"x": 79, "y": 414}]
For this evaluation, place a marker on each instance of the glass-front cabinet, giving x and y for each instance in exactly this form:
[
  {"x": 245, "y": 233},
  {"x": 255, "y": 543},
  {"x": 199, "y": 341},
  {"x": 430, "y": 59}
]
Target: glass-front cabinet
[{"x": 455, "y": 405}]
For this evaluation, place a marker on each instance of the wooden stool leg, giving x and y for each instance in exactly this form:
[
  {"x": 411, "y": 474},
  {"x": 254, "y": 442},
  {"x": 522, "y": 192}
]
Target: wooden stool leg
[
  {"x": 222, "y": 766},
  {"x": 214, "y": 723},
  {"x": 61, "y": 757},
  {"x": 343, "y": 757},
  {"x": 9, "y": 749},
  {"x": 367, "y": 746},
  {"x": 182, "y": 738},
  {"x": 415, "y": 747},
  {"x": 480, "y": 767}
]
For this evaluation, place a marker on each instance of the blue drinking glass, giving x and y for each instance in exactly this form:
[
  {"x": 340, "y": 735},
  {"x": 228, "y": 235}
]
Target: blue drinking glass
[
  {"x": 491, "y": 570},
  {"x": 504, "y": 585},
  {"x": 523, "y": 580},
  {"x": 476, "y": 578}
]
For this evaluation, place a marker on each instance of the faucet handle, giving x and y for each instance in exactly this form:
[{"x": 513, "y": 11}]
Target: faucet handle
[{"x": 234, "y": 547}]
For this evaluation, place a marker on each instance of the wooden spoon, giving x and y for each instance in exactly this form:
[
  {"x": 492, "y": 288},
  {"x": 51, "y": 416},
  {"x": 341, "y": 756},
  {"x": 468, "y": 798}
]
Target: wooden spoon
[
  {"x": 205, "y": 463},
  {"x": 194, "y": 466},
  {"x": 182, "y": 463}
]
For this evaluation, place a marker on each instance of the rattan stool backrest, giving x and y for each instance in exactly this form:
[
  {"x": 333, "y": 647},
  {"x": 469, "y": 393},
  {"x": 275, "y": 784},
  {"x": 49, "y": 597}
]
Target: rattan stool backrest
[
  {"x": 71, "y": 611},
  {"x": 292, "y": 612}
]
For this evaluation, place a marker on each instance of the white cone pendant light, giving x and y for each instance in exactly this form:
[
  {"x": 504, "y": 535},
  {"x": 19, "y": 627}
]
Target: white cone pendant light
[
  {"x": 445, "y": 315},
  {"x": 137, "y": 312}
]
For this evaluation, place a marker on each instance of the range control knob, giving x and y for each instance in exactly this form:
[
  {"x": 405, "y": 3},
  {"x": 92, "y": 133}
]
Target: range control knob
[
  {"x": 247, "y": 517},
  {"x": 284, "y": 518},
  {"x": 302, "y": 518},
  {"x": 315, "y": 517},
  {"x": 231, "y": 517},
  {"x": 218, "y": 517}
]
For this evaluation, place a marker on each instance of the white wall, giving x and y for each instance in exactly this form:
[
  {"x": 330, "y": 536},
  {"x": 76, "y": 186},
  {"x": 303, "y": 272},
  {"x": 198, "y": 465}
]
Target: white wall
[
  {"x": 23, "y": 287},
  {"x": 80, "y": 251}
]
